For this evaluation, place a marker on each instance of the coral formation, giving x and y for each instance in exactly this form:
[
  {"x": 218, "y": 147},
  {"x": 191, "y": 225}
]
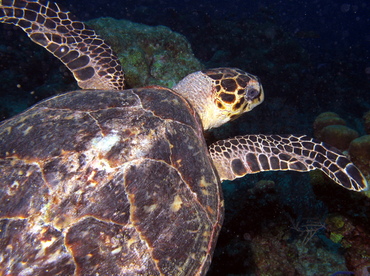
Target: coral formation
[
  {"x": 149, "y": 55},
  {"x": 341, "y": 227},
  {"x": 338, "y": 136},
  {"x": 266, "y": 230},
  {"x": 326, "y": 119},
  {"x": 359, "y": 151},
  {"x": 354, "y": 238},
  {"x": 332, "y": 129}
]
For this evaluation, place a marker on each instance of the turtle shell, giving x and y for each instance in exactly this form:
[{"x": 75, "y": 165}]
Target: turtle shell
[{"x": 107, "y": 183}]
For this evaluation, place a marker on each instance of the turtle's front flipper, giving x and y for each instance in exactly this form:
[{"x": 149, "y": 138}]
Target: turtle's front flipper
[
  {"x": 90, "y": 59},
  {"x": 242, "y": 155}
]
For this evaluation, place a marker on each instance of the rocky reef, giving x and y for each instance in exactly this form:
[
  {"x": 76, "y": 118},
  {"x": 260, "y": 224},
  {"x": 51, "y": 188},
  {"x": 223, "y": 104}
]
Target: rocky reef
[
  {"x": 149, "y": 55},
  {"x": 348, "y": 221}
]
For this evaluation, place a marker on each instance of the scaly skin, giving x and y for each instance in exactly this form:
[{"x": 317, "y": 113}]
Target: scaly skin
[
  {"x": 247, "y": 154},
  {"x": 92, "y": 61}
]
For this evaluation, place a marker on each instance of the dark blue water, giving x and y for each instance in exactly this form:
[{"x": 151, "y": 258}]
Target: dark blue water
[{"x": 324, "y": 27}]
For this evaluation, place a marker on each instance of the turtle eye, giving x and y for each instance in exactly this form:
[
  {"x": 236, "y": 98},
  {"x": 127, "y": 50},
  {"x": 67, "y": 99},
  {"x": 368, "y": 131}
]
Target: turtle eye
[{"x": 251, "y": 93}]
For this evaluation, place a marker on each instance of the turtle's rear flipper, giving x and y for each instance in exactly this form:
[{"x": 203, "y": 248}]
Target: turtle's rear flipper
[
  {"x": 242, "y": 155},
  {"x": 90, "y": 59}
]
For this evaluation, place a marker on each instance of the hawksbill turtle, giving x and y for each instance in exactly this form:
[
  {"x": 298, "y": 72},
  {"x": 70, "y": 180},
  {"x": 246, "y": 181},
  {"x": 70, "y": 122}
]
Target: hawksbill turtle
[{"x": 108, "y": 181}]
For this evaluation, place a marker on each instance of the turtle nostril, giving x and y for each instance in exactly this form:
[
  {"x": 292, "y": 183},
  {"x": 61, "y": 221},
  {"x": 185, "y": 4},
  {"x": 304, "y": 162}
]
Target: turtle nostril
[{"x": 251, "y": 94}]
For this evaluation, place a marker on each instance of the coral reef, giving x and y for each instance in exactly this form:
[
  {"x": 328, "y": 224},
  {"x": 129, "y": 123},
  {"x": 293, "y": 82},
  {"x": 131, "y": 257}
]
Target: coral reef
[
  {"x": 276, "y": 256},
  {"x": 354, "y": 237},
  {"x": 330, "y": 128},
  {"x": 338, "y": 136},
  {"x": 149, "y": 55},
  {"x": 326, "y": 119},
  {"x": 266, "y": 230},
  {"x": 346, "y": 224},
  {"x": 359, "y": 151}
]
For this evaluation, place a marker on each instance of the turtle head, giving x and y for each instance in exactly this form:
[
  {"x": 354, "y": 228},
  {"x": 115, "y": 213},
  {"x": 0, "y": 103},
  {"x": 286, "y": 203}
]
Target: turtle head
[{"x": 221, "y": 94}]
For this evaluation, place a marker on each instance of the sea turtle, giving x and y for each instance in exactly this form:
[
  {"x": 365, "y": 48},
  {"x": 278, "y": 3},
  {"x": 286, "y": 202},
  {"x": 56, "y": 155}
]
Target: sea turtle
[{"x": 107, "y": 181}]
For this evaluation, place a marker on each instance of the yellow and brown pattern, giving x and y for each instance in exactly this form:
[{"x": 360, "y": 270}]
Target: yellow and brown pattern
[
  {"x": 221, "y": 94},
  {"x": 235, "y": 90}
]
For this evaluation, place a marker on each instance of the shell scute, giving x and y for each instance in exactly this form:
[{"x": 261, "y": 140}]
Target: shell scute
[
  {"x": 187, "y": 157},
  {"x": 20, "y": 181},
  {"x": 166, "y": 230},
  {"x": 166, "y": 104},
  {"x": 102, "y": 248},
  {"x": 36, "y": 252}
]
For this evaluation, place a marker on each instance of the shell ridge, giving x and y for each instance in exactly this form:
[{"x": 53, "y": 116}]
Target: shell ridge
[{"x": 132, "y": 211}]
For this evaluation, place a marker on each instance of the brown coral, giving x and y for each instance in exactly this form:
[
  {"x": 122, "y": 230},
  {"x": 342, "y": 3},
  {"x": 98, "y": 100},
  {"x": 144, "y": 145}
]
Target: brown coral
[
  {"x": 332, "y": 129},
  {"x": 359, "y": 151},
  {"x": 338, "y": 136},
  {"x": 326, "y": 119}
]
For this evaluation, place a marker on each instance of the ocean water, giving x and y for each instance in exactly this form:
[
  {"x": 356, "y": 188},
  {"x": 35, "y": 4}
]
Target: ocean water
[{"x": 311, "y": 56}]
